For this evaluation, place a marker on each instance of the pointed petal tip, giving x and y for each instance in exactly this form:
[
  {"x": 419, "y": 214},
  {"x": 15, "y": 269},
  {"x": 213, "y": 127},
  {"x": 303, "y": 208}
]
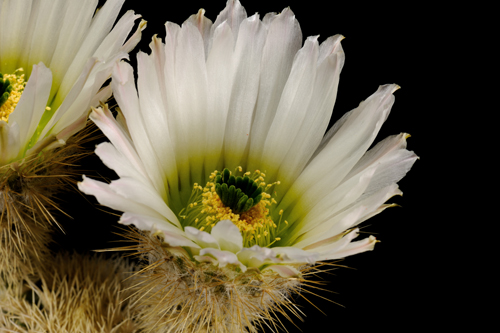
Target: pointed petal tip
[
  {"x": 287, "y": 11},
  {"x": 387, "y": 89}
]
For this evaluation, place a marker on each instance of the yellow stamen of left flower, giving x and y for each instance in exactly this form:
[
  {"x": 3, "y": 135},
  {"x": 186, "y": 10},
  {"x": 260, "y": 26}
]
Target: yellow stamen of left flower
[{"x": 11, "y": 89}]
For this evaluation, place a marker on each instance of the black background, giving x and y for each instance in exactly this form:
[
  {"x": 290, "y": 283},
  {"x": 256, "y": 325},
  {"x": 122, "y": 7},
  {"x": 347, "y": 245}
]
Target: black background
[{"x": 390, "y": 287}]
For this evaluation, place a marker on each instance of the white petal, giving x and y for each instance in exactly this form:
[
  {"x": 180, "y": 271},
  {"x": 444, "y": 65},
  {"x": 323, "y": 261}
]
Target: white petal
[
  {"x": 295, "y": 255},
  {"x": 74, "y": 26},
  {"x": 114, "y": 42},
  {"x": 220, "y": 78},
  {"x": 292, "y": 108},
  {"x": 99, "y": 28},
  {"x": 353, "y": 248},
  {"x": 44, "y": 21},
  {"x": 330, "y": 231},
  {"x": 284, "y": 271},
  {"x": 32, "y": 104},
  {"x": 14, "y": 22},
  {"x": 191, "y": 85},
  {"x": 344, "y": 149},
  {"x": 257, "y": 256},
  {"x": 228, "y": 236},
  {"x": 116, "y": 161},
  {"x": 155, "y": 122},
  {"x": 144, "y": 194},
  {"x": 107, "y": 197},
  {"x": 248, "y": 56},
  {"x": 283, "y": 40},
  {"x": 358, "y": 212},
  {"x": 70, "y": 107},
  {"x": 392, "y": 159},
  {"x": 9, "y": 141},
  {"x": 126, "y": 95},
  {"x": 233, "y": 14},
  {"x": 133, "y": 40},
  {"x": 206, "y": 258},
  {"x": 202, "y": 238},
  {"x": 173, "y": 235},
  {"x": 177, "y": 129},
  {"x": 310, "y": 214},
  {"x": 204, "y": 26},
  {"x": 308, "y": 137},
  {"x": 73, "y": 128},
  {"x": 223, "y": 257},
  {"x": 104, "y": 119}
]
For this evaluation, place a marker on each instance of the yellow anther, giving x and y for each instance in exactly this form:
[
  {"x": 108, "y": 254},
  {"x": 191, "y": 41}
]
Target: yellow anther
[
  {"x": 17, "y": 84},
  {"x": 205, "y": 209},
  {"x": 281, "y": 212},
  {"x": 277, "y": 238}
]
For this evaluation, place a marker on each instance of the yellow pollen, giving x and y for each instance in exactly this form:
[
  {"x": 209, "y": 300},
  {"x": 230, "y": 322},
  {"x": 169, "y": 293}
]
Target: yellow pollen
[
  {"x": 18, "y": 83},
  {"x": 205, "y": 209}
]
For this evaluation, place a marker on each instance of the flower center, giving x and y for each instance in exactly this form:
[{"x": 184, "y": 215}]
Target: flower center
[
  {"x": 238, "y": 193},
  {"x": 11, "y": 89},
  {"x": 244, "y": 200}
]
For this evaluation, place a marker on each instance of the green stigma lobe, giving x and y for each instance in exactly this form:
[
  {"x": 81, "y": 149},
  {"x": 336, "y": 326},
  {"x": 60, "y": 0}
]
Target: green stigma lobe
[
  {"x": 5, "y": 89},
  {"x": 238, "y": 193}
]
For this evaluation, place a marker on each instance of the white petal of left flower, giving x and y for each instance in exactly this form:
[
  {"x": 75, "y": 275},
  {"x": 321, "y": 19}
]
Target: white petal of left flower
[{"x": 57, "y": 55}]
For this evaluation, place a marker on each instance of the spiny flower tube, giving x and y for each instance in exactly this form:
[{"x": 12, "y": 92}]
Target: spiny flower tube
[
  {"x": 223, "y": 160},
  {"x": 55, "y": 57}
]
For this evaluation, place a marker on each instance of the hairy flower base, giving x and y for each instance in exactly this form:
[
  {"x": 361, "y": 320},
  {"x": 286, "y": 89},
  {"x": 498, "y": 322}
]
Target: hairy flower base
[
  {"x": 176, "y": 294},
  {"x": 27, "y": 188},
  {"x": 77, "y": 293}
]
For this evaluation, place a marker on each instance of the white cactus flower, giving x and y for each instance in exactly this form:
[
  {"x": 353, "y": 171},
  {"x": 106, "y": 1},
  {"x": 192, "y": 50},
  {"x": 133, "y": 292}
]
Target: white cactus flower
[
  {"x": 222, "y": 146},
  {"x": 55, "y": 57}
]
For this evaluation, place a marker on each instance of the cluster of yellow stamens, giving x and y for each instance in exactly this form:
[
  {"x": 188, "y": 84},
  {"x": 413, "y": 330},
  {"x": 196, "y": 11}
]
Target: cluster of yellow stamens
[
  {"x": 17, "y": 83},
  {"x": 206, "y": 209}
]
